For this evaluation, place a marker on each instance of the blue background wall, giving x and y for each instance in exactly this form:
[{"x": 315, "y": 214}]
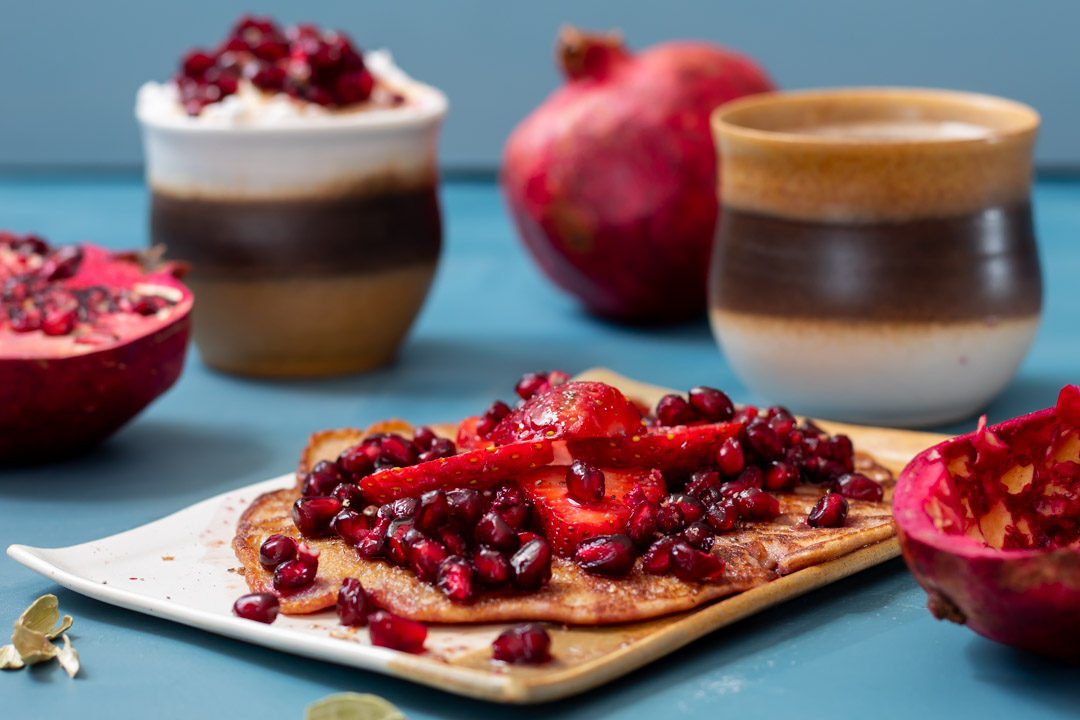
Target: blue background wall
[{"x": 70, "y": 69}]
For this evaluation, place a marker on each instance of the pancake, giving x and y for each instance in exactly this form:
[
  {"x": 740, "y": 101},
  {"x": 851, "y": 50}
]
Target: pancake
[{"x": 754, "y": 554}]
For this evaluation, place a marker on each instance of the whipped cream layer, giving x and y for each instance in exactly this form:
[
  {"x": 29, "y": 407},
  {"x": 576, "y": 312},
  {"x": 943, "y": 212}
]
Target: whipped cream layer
[{"x": 256, "y": 145}]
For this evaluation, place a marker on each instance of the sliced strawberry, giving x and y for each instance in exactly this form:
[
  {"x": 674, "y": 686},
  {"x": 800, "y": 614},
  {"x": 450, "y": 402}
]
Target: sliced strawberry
[
  {"x": 566, "y": 522},
  {"x": 574, "y": 409},
  {"x": 476, "y": 469},
  {"x": 675, "y": 449},
  {"x": 467, "y": 437}
]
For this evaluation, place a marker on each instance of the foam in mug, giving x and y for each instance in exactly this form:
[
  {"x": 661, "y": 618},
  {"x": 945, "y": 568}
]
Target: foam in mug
[
  {"x": 876, "y": 260},
  {"x": 313, "y": 233}
]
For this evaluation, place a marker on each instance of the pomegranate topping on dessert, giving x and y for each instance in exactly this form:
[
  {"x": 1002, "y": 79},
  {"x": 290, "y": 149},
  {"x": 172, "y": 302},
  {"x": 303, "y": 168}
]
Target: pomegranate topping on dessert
[
  {"x": 89, "y": 337},
  {"x": 303, "y": 61},
  {"x": 525, "y": 644},
  {"x": 573, "y": 474},
  {"x": 261, "y": 607}
]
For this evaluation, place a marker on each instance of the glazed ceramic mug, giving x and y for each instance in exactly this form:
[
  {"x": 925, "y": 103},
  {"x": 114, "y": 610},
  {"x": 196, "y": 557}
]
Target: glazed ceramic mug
[{"x": 875, "y": 260}]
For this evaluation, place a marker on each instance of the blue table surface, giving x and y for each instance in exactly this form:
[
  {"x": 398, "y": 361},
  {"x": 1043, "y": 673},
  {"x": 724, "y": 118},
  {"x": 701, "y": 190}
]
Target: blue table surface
[{"x": 865, "y": 645}]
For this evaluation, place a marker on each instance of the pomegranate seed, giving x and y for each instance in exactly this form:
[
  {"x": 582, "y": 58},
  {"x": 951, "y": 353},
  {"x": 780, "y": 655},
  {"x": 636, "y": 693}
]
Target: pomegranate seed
[
  {"x": 829, "y": 511},
  {"x": 859, "y": 487},
  {"x": 584, "y": 483},
  {"x": 359, "y": 460},
  {"x": 669, "y": 519},
  {"x": 531, "y": 564},
  {"x": 711, "y": 404},
  {"x": 373, "y": 543},
  {"x": 434, "y": 511},
  {"x": 350, "y": 495},
  {"x": 59, "y": 322},
  {"x": 350, "y": 525},
  {"x": 732, "y": 488},
  {"x": 397, "y": 451},
  {"x": 702, "y": 480},
  {"x": 751, "y": 476},
  {"x": 525, "y": 536},
  {"x": 322, "y": 479},
  {"x": 840, "y": 449},
  {"x": 744, "y": 414},
  {"x": 353, "y": 603},
  {"x": 675, "y": 410},
  {"x": 780, "y": 476},
  {"x": 722, "y": 515},
  {"x": 657, "y": 559},
  {"x": 455, "y": 579},
  {"x": 526, "y": 644},
  {"x": 691, "y": 564},
  {"x": 763, "y": 440},
  {"x": 710, "y": 496},
  {"x": 425, "y": 556},
  {"x": 353, "y": 86},
  {"x": 424, "y": 438},
  {"x": 781, "y": 422},
  {"x": 261, "y": 607},
  {"x": 275, "y": 550},
  {"x": 466, "y": 506},
  {"x": 269, "y": 77},
  {"x": 395, "y": 632},
  {"x": 492, "y": 417},
  {"x": 641, "y": 525},
  {"x": 699, "y": 535},
  {"x": 609, "y": 555},
  {"x": 455, "y": 542},
  {"x": 312, "y": 515},
  {"x": 400, "y": 537},
  {"x": 293, "y": 575},
  {"x": 442, "y": 448},
  {"x": 493, "y": 531},
  {"x": 757, "y": 506},
  {"x": 491, "y": 566},
  {"x": 730, "y": 458},
  {"x": 690, "y": 507},
  {"x": 530, "y": 384},
  {"x": 406, "y": 507},
  {"x": 307, "y": 555}
]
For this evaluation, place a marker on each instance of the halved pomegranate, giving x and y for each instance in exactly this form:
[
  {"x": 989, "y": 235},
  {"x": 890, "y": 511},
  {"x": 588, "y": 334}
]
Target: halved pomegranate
[
  {"x": 87, "y": 339},
  {"x": 990, "y": 526}
]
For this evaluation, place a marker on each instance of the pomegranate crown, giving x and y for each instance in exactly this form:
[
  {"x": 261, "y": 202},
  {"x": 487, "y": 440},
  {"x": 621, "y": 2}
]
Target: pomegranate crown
[{"x": 587, "y": 54}]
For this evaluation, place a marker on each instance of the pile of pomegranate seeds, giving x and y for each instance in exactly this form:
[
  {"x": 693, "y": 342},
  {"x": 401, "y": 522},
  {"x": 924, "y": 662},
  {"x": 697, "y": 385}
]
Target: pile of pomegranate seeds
[
  {"x": 36, "y": 293},
  {"x": 302, "y": 61}
]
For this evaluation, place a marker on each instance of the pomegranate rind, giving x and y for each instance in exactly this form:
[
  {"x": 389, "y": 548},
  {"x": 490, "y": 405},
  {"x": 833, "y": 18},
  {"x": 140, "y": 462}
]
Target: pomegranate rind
[
  {"x": 1028, "y": 598},
  {"x": 54, "y": 403}
]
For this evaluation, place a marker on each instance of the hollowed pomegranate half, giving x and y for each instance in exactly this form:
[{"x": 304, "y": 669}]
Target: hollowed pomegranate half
[{"x": 989, "y": 523}]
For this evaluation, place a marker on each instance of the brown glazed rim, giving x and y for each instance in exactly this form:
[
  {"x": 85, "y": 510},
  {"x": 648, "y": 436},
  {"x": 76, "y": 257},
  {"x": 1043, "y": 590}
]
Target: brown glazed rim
[{"x": 1003, "y": 118}]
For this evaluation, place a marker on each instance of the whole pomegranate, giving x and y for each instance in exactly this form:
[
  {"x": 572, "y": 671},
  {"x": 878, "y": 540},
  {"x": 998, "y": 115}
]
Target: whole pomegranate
[
  {"x": 87, "y": 339},
  {"x": 612, "y": 181},
  {"x": 989, "y": 523}
]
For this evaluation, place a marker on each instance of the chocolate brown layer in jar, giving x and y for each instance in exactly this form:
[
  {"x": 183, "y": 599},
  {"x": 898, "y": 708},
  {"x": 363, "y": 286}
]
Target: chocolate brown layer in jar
[
  {"x": 305, "y": 286},
  {"x": 313, "y": 233},
  {"x": 875, "y": 259}
]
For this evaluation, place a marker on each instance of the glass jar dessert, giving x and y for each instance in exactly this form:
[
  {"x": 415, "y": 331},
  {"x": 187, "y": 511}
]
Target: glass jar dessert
[{"x": 298, "y": 177}]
